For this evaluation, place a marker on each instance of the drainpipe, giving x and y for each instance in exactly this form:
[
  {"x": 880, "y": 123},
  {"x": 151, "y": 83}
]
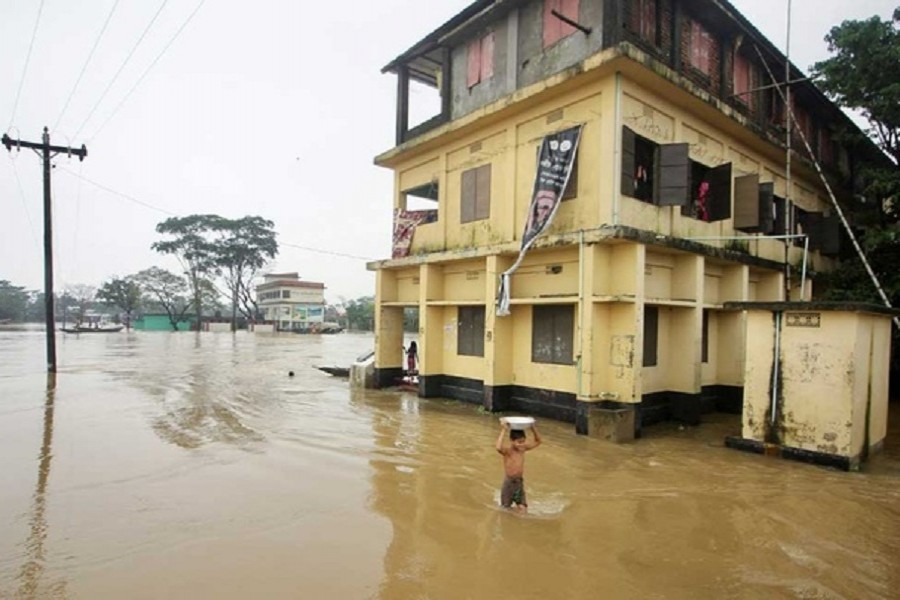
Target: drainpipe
[
  {"x": 581, "y": 309},
  {"x": 776, "y": 383},
  {"x": 803, "y": 271},
  {"x": 617, "y": 150}
]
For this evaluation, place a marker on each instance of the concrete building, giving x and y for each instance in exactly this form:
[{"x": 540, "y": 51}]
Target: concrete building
[
  {"x": 290, "y": 303},
  {"x": 678, "y": 187}
]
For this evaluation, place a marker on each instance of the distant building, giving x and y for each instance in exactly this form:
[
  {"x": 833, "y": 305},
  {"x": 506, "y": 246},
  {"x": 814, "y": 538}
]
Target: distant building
[
  {"x": 161, "y": 322},
  {"x": 291, "y": 304}
]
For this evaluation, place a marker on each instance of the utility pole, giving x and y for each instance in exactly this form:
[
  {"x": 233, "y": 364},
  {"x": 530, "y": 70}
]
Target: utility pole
[{"x": 46, "y": 152}]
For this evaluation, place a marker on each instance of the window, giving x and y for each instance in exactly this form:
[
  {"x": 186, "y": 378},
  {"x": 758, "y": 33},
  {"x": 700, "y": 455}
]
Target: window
[
  {"x": 638, "y": 155},
  {"x": 651, "y": 335},
  {"x": 754, "y": 211},
  {"x": 480, "y": 60},
  {"x": 710, "y": 198},
  {"x": 743, "y": 81},
  {"x": 704, "y": 338},
  {"x": 552, "y": 333},
  {"x": 644, "y": 20},
  {"x": 475, "y": 201},
  {"x": 702, "y": 48},
  {"x": 555, "y": 28},
  {"x": 470, "y": 331},
  {"x": 285, "y": 293}
]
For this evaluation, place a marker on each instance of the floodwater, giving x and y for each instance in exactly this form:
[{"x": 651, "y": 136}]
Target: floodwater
[{"x": 191, "y": 466}]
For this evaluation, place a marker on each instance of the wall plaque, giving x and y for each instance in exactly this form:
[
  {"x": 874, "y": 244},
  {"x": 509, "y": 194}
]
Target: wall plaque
[{"x": 803, "y": 319}]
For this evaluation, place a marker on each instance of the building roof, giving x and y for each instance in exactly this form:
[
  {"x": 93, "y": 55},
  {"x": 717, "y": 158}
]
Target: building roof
[{"x": 279, "y": 283}]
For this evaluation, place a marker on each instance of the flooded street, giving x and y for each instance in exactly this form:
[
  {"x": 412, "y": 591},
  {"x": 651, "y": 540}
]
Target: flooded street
[{"x": 191, "y": 466}]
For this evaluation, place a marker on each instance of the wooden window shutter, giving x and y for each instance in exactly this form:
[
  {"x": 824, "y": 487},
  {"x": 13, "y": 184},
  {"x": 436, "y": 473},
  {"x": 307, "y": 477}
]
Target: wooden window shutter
[
  {"x": 628, "y": 161},
  {"x": 468, "y": 196},
  {"x": 766, "y": 207},
  {"x": 487, "y": 57},
  {"x": 569, "y": 9},
  {"x": 704, "y": 338},
  {"x": 746, "y": 203},
  {"x": 719, "y": 204},
  {"x": 831, "y": 235},
  {"x": 483, "y": 192},
  {"x": 811, "y": 225},
  {"x": 780, "y": 225},
  {"x": 474, "y": 63},
  {"x": 551, "y": 23},
  {"x": 673, "y": 175}
]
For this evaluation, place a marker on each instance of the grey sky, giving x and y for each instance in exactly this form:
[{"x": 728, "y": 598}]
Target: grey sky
[{"x": 271, "y": 108}]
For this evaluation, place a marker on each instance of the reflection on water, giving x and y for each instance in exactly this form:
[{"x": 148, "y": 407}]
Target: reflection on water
[{"x": 190, "y": 465}]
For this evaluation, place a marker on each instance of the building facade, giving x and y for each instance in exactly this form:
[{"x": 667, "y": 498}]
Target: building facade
[
  {"x": 290, "y": 303},
  {"x": 678, "y": 194}
]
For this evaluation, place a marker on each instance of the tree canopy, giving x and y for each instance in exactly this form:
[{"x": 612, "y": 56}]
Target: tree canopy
[{"x": 123, "y": 293}]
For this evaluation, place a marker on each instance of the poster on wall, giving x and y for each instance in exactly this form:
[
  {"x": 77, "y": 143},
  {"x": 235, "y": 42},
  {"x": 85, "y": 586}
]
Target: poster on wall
[{"x": 556, "y": 157}]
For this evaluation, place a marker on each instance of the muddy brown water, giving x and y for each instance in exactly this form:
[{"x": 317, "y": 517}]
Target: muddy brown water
[{"x": 191, "y": 466}]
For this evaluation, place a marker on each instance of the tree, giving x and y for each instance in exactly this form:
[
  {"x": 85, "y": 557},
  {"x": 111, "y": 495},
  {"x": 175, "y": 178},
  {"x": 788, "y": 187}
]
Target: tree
[
  {"x": 191, "y": 241},
  {"x": 122, "y": 293},
  {"x": 83, "y": 296},
  {"x": 13, "y": 302},
  {"x": 168, "y": 290},
  {"x": 244, "y": 248},
  {"x": 861, "y": 75},
  {"x": 361, "y": 313}
]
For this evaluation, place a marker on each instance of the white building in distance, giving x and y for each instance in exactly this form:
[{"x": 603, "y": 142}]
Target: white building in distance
[{"x": 291, "y": 304}]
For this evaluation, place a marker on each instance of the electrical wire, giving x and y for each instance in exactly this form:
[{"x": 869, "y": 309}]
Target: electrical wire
[
  {"x": 86, "y": 63},
  {"x": 147, "y": 70},
  {"x": 122, "y": 66},
  {"x": 170, "y": 213},
  {"x": 27, "y": 60},
  {"x": 25, "y": 205}
]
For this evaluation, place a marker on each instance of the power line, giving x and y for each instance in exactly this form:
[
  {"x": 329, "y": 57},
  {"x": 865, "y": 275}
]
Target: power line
[
  {"x": 144, "y": 74},
  {"x": 112, "y": 191},
  {"x": 86, "y": 63},
  {"x": 27, "y": 60},
  {"x": 122, "y": 66},
  {"x": 25, "y": 204},
  {"x": 170, "y": 213}
]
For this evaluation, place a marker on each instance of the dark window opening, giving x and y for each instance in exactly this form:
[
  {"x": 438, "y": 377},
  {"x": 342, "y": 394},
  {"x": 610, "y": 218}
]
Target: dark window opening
[
  {"x": 552, "y": 334},
  {"x": 423, "y": 197},
  {"x": 651, "y": 335},
  {"x": 710, "y": 193},
  {"x": 704, "y": 338},
  {"x": 475, "y": 201},
  {"x": 470, "y": 331}
]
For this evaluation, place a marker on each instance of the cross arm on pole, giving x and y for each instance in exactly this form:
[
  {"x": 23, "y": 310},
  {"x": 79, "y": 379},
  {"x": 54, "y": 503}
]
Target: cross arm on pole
[{"x": 9, "y": 143}]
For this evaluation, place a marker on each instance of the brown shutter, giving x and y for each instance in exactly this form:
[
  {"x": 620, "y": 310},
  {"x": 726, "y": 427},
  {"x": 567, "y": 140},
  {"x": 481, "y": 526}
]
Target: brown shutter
[
  {"x": 651, "y": 328},
  {"x": 673, "y": 175},
  {"x": 812, "y": 227},
  {"x": 473, "y": 70},
  {"x": 483, "y": 192},
  {"x": 628, "y": 162},
  {"x": 746, "y": 203},
  {"x": 831, "y": 235},
  {"x": 467, "y": 196},
  {"x": 766, "y": 207},
  {"x": 780, "y": 225},
  {"x": 719, "y": 203}
]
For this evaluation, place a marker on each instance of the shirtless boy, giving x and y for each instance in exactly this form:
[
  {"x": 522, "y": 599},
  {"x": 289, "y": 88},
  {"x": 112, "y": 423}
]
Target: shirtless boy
[{"x": 513, "y": 490}]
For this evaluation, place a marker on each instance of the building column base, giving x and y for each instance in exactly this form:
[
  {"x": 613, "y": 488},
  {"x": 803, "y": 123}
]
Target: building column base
[
  {"x": 613, "y": 421},
  {"x": 496, "y": 398}
]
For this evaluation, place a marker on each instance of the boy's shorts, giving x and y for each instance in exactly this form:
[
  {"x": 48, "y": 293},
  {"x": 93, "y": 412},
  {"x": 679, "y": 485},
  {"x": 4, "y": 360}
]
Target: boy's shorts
[{"x": 512, "y": 492}]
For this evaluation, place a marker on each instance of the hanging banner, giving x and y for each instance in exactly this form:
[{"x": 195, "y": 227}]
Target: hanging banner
[
  {"x": 405, "y": 223},
  {"x": 554, "y": 166}
]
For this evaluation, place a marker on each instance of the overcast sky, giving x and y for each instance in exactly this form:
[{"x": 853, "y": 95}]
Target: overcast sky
[{"x": 273, "y": 108}]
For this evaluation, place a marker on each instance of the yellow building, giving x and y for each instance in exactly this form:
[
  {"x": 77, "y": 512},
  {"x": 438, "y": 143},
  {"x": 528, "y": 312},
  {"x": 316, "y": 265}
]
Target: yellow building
[{"x": 678, "y": 193}]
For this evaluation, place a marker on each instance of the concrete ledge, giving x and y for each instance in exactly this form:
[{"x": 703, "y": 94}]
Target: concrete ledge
[{"x": 824, "y": 459}]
